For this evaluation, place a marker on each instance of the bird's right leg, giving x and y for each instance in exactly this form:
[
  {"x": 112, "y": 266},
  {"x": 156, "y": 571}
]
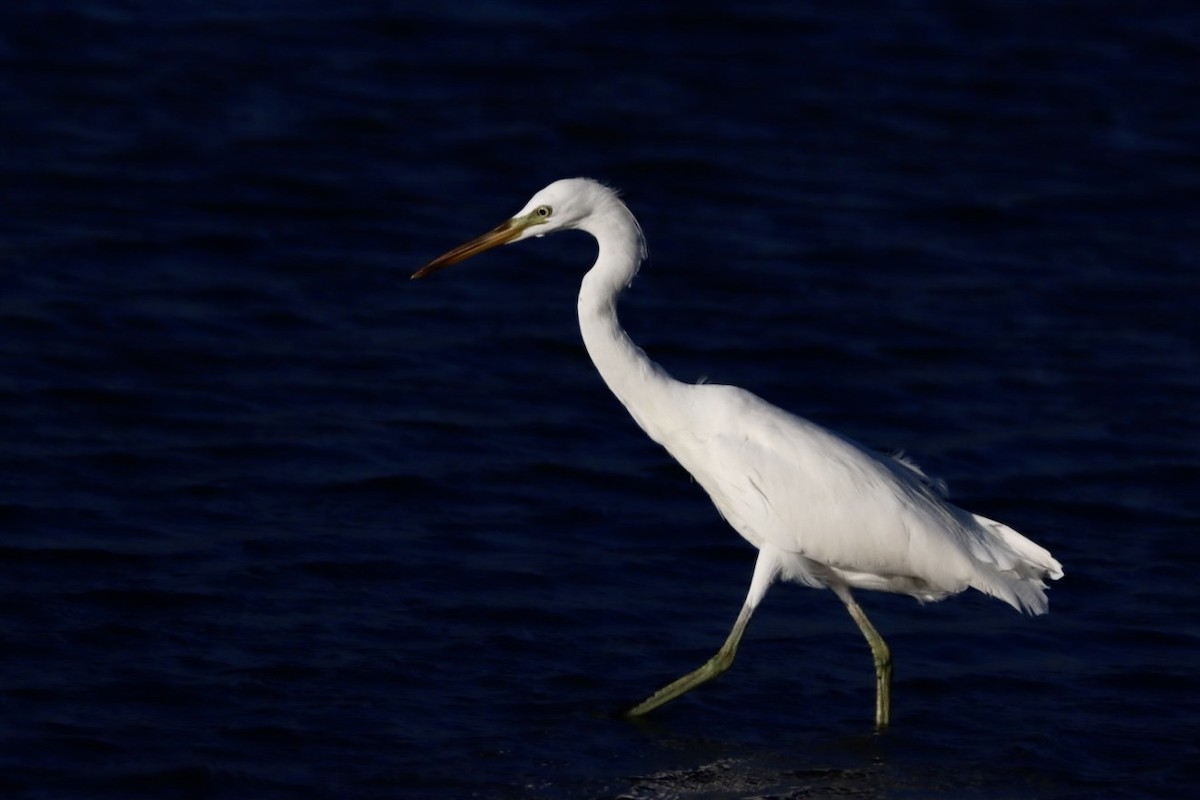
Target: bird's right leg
[
  {"x": 880, "y": 653},
  {"x": 709, "y": 670}
]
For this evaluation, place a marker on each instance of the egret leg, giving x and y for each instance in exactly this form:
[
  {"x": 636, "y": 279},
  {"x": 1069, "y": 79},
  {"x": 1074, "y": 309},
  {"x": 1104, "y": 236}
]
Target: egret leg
[
  {"x": 709, "y": 670},
  {"x": 881, "y": 654}
]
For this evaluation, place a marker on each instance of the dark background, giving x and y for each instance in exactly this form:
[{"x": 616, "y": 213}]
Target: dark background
[{"x": 276, "y": 522}]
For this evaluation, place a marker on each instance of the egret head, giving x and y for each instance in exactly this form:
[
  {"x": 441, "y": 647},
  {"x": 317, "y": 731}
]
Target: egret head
[{"x": 560, "y": 206}]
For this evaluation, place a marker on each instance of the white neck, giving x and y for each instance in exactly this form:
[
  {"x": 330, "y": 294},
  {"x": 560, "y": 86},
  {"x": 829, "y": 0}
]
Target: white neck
[{"x": 642, "y": 386}]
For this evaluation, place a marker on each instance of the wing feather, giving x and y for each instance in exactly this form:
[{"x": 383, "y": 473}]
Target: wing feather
[{"x": 878, "y": 522}]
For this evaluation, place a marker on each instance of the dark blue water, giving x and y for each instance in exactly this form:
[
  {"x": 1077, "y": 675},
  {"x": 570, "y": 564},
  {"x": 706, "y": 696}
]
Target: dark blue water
[{"x": 276, "y": 522}]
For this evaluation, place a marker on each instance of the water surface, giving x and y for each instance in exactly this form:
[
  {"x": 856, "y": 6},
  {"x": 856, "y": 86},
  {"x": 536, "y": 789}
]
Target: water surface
[{"x": 276, "y": 522}]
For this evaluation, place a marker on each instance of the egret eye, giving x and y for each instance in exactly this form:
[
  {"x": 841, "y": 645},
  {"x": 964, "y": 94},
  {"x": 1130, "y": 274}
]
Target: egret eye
[{"x": 543, "y": 211}]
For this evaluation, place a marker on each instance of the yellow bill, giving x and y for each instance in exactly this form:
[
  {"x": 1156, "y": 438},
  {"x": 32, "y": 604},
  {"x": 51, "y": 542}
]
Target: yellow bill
[{"x": 503, "y": 233}]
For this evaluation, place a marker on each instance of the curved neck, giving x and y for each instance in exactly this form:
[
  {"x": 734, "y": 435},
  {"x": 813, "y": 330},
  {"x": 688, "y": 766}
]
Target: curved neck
[{"x": 642, "y": 386}]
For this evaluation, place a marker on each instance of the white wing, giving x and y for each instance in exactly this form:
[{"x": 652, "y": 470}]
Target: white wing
[{"x": 876, "y": 522}]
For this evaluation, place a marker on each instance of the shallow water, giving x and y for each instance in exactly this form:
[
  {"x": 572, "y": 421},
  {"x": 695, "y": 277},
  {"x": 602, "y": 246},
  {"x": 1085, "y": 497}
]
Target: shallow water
[{"x": 276, "y": 522}]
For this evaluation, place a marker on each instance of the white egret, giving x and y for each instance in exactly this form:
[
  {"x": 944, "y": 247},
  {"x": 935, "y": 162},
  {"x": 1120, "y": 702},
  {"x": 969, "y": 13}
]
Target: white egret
[{"x": 822, "y": 510}]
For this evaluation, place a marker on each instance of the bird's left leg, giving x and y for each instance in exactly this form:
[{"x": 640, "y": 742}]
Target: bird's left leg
[
  {"x": 880, "y": 652},
  {"x": 710, "y": 669},
  {"x": 765, "y": 569}
]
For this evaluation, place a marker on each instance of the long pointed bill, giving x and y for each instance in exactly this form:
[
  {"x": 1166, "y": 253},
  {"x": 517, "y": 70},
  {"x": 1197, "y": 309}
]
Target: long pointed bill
[{"x": 503, "y": 233}]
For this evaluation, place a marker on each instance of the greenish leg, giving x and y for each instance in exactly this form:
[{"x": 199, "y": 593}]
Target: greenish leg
[
  {"x": 881, "y": 654},
  {"x": 709, "y": 670}
]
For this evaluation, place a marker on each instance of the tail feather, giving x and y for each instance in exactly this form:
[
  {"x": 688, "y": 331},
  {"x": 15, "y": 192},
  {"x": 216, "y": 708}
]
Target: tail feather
[{"x": 1020, "y": 567}]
